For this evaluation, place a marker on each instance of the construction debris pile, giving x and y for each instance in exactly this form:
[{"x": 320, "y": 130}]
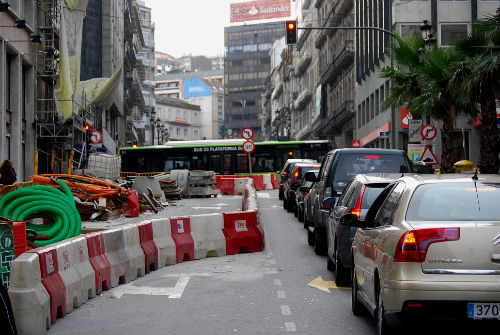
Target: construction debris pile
[
  {"x": 95, "y": 198},
  {"x": 202, "y": 184}
]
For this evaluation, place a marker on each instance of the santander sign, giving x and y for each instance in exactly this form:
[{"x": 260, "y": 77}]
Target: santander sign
[{"x": 259, "y": 10}]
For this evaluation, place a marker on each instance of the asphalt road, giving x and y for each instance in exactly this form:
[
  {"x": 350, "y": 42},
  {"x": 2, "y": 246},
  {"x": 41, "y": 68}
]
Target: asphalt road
[
  {"x": 267, "y": 292},
  {"x": 259, "y": 293}
]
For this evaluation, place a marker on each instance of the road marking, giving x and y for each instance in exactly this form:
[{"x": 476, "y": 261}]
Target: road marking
[
  {"x": 221, "y": 204},
  {"x": 263, "y": 195},
  {"x": 172, "y": 292},
  {"x": 290, "y": 327},
  {"x": 278, "y": 282},
  {"x": 281, "y": 295},
  {"x": 325, "y": 285},
  {"x": 285, "y": 310},
  {"x": 275, "y": 206}
]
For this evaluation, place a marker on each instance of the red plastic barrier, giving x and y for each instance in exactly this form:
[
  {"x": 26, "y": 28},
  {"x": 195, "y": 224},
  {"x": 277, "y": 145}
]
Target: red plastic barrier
[
  {"x": 242, "y": 232},
  {"x": 274, "y": 181},
  {"x": 148, "y": 245},
  {"x": 132, "y": 204},
  {"x": 52, "y": 281},
  {"x": 99, "y": 262},
  {"x": 226, "y": 185},
  {"x": 181, "y": 234},
  {"x": 19, "y": 232},
  {"x": 258, "y": 182}
]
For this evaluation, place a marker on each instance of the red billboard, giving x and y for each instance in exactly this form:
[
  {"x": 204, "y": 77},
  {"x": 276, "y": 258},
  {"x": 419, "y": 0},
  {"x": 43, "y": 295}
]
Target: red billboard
[{"x": 259, "y": 10}]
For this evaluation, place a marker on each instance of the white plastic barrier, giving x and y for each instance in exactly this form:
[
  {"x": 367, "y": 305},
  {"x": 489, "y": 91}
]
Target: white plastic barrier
[
  {"x": 83, "y": 267},
  {"x": 207, "y": 234},
  {"x": 29, "y": 298},
  {"x": 114, "y": 246},
  {"x": 162, "y": 236},
  {"x": 267, "y": 181},
  {"x": 69, "y": 275},
  {"x": 239, "y": 185},
  {"x": 134, "y": 251}
]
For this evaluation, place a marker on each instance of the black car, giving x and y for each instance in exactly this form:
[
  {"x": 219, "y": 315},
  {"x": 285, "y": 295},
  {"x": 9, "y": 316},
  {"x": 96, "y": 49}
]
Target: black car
[
  {"x": 301, "y": 194},
  {"x": 337, "y": 169},
  {"x": 292, "y": 183},
  {"x": 356, "y": 199},
  {"x": 287, "y": 168}
]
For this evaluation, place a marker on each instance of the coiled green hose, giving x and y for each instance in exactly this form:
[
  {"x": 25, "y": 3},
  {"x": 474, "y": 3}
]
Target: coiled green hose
[{"x": 40, "y": 201}]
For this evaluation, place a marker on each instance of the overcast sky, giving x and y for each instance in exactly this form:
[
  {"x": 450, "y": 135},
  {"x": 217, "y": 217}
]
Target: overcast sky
[{"x": 190, "y": 26}]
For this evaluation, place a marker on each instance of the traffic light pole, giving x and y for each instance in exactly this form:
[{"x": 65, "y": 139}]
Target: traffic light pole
[{"x": 393, "y": 111}]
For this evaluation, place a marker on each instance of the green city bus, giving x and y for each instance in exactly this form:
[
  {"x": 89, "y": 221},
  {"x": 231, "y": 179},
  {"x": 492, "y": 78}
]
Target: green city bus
[{"x": 225, "y": 157}]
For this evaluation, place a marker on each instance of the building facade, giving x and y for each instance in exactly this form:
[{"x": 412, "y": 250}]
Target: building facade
[
  {"x": 176, "y": 120},
  {"x": 451, "y": 20},
  {"x": 147, "y": 57},
  {"x": 246, "y": 66},
  {"x": 17, "y": 89}
]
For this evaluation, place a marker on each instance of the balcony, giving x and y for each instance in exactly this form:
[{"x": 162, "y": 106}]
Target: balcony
[
  {"x": 343, "y": 58},
  {"x": 334, "y": 122},
  {"x": 306, "y": 4},
  {"x": 304, "y": 61},
  {"x": 304, "y": 34},
  {"x": 277, "y": 91},
  {"x": 302, "y": 99}
]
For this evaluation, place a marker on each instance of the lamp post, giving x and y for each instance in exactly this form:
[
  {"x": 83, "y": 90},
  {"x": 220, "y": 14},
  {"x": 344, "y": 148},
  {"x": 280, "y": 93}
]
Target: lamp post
[{"x": 152, "y": 124}]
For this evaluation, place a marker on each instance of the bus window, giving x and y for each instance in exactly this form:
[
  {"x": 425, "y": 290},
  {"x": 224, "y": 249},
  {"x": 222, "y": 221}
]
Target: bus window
[
  {"x": 242, "y": 163},
  {"x": 228, "y": 164}
]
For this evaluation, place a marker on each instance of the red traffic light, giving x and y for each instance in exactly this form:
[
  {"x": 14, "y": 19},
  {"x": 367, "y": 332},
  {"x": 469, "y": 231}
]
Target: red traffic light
[
  {"x": 291, "y": 32},
  {"x": 87, "y": 127}
]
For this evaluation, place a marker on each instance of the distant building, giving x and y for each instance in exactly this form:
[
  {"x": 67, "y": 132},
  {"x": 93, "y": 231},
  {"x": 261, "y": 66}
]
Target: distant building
[
  {"x": 177, "y": 120},
  {"x": 246, "y": 66},
  {"x": 204, "y": 88}
]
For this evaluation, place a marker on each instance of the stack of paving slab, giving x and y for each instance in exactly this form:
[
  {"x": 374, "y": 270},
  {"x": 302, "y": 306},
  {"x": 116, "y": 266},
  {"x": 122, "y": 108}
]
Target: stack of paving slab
[{"x": 202, "y": 183}]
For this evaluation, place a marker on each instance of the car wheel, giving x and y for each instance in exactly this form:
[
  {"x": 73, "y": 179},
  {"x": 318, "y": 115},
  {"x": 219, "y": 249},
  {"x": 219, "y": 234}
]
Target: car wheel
[
  {"x": 289, "y": 205},
  {"x": 319, "y": 246},
  {"x": 310, "y": 237},
  {"x": 382, "y": 327},
  {"x": 329, "y": 264},
  {"x": 356, "y": 306},
  {"x": 295, "y": 211},
  {"x": 300, "y": 215},
  {"x": 280, "y": 194},
  {"x": 285, "y": 204},
  {"x": 342, "y": 275}
]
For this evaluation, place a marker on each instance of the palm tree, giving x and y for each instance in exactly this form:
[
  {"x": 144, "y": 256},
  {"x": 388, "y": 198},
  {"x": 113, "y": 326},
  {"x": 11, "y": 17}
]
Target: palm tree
[
  {"x": 477, "y": 79},
  {"x": 420, "y": 79}
]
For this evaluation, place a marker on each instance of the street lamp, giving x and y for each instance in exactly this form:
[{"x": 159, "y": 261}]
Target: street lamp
[{"x": 152, "y": 124}]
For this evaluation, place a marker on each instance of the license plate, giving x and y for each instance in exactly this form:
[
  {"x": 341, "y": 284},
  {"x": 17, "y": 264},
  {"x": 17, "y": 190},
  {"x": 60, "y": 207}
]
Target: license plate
[{"x": 481, "y": 310}]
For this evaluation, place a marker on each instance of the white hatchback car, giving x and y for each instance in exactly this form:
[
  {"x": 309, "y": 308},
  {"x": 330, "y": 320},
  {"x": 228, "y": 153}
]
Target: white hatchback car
[{"x": 429, "y": 247}]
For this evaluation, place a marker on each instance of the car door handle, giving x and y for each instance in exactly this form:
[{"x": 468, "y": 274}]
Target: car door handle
[{"x": 495, "y": 258}]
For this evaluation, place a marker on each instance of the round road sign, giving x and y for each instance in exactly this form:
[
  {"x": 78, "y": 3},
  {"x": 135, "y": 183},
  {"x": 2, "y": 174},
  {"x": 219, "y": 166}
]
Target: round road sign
[
  {"x": 95, "y": 136},
  {"x": 428, "y": 132},
  {"x": 248, "y": 147},
  {"x": 247, "y": 133}
]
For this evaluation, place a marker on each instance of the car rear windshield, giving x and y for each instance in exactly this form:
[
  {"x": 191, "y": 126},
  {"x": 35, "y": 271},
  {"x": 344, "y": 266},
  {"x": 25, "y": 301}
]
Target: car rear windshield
[
  {"x": 350, "y": 165},
  {"x": 304, "y": 169},
  {"x": 455, "y": 202}
]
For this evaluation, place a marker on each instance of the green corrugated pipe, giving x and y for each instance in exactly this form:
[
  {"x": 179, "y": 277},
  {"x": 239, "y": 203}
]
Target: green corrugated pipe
[{"x": 40, "y": 201}]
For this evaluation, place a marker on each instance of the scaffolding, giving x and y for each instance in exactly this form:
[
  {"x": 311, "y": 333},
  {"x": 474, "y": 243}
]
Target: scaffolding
[{"x": 58, "y": 140}]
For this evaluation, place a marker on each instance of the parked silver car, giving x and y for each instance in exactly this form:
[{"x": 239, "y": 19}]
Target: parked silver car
[{"x": 429, "y": 247}]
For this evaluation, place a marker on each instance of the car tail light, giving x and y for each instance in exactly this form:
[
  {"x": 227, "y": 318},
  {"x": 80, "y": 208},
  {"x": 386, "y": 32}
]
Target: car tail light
[
  {"x": 413, "y": 245},
  {"x": 357, "y": 207},
  {"x": 295, "y": 176},
  {"x": 372, "y": 156},
  {"x": 304, "y": 195}
]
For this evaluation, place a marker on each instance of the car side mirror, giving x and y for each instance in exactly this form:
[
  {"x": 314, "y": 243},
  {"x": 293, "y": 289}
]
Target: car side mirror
[
  {"x": 352, "y": 220},
  {"x": 329, "y": 202}
]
